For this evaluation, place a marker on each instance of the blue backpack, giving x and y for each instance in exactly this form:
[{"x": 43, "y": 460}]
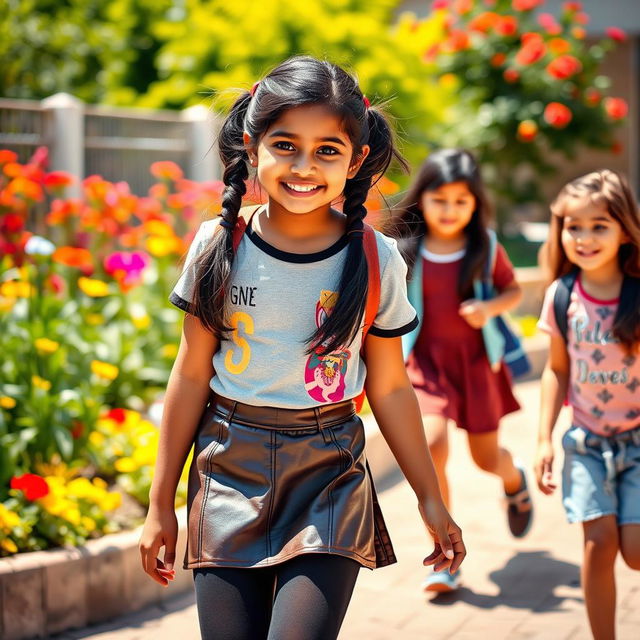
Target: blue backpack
[{"x": 500, "y": 342}]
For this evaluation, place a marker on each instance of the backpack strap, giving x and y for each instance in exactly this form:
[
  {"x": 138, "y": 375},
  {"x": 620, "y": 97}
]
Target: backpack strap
[
  {"x": 244, "y": 220},
  {"x": 370, "y": 246},
  {"x": 561, "y": 300},
  {"x": 491, "y": 258}
]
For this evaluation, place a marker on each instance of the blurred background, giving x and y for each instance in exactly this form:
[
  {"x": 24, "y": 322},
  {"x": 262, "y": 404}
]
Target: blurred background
[{"x": 108, "y": 118}]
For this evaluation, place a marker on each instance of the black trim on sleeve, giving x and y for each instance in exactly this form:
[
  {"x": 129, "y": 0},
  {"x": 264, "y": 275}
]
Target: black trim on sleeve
[
  {"x": 394, "y": 333},
  {"x": 179, "y": 302}
]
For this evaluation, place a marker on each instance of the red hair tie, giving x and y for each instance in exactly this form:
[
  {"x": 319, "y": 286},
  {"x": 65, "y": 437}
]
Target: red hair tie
[
  {"x": 367, "y": 104},
  {"x": 253, "y": 89}
]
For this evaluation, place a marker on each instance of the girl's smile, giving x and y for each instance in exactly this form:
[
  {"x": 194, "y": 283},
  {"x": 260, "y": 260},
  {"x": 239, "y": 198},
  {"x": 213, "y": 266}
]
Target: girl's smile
[
  {"x": 591, "y": 237},
  {"x": 304, "y": 159},
  {"x": 448, "y": 209}
]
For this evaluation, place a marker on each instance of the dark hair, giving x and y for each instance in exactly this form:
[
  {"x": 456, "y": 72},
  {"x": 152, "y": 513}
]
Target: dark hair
[
  {"x": 407, "y": 221},
  {"x": 608, "y": 190},
  {"x": 296, "y": 82}
]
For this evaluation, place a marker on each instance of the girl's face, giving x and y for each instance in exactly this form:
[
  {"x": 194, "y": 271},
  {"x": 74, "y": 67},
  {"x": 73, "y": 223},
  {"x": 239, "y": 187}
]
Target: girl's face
[
  {"x": 304, "y": 159},
  {"x": 448, "y": 209},
  {"x": 590, "y": 236}
]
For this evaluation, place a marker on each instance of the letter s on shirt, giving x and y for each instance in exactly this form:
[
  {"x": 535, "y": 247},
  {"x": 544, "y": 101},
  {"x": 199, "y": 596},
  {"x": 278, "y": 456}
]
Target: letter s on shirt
[{"x": 239, "y": 318}]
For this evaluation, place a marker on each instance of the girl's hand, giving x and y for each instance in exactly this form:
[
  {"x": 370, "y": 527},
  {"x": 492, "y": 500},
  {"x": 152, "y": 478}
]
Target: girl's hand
[
  {"x": 475, "y": 312},
  {"x": 160, "y": 530},
  {"x": 543, "y": 467},
  {"x": 449, "y": 550}
]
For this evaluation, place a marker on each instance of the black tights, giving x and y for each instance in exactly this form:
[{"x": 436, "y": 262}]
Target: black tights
[{"x": 305, "y": 598}]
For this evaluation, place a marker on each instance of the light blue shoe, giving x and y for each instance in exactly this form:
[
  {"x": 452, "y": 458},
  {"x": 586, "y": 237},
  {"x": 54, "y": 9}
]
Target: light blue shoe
[{"x": 441, "y": 582}]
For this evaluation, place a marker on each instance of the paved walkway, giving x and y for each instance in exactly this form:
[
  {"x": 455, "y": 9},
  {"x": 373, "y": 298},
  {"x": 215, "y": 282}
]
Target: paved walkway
[{"x": 514, "y": 590}]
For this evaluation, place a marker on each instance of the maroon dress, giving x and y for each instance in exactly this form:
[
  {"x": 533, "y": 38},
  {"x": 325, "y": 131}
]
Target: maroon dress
[{"x": 448, "y": 366}]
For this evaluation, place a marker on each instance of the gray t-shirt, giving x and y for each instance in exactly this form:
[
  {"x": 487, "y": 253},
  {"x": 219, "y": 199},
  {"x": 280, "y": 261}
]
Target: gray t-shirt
[{"x": 277, "y": 300}]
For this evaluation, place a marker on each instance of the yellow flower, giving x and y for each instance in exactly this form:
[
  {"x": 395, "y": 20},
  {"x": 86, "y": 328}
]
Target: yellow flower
[
  {"x": 159, "y": 247},
  {"x": 72, "y": 515},
  {"x": 9, "y": 545},
  {"x": 125, "y": 465},
  {"x": 93, "y": 288},
  {"x": 448, "y": 81},
  {"x": 104, "y": 370},
  {"x": 111, "y": 501},
  {"x": 81, "y": 488},
  {"x": 46, "y": 346},
  {"x": 94, "y": 319},
  {"x": 8, "y": 519},
  {"x": 7, "y": 403},
  {"x": 40, "y": 383},
  {"x": 88, "y": 523},
  {"x": 141, "y": 322},
  {"x": 100, "y": 483},
  {"x": 96, "y": 438},
  {"x": 16, "y": 289},
  {"x": 169, "y": 350}
]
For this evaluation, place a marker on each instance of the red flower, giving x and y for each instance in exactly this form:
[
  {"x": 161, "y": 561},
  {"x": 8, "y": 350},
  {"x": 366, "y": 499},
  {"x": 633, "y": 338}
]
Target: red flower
[
  {"x": 616, "y": 33},
  {"x": 11, "y": 223},
  {"x": 557, "y": 115},
  {"x": 564, "y": 67},
  {"x": 77, "y": 429},
  {"x": 117, "y": 415},
  {"x": 532, "y": 50},
  {"x": 617, "y": 148},
  {"x": 572, "y": 6},
  {"x": 498, "y": 59},
  {"x": 507, "y": 26},
  {"x": 511, "y": 75},
  {"x": 439, "y": 4},
  {"x": 32, "y": 485},
  {"x": 592, "y": 96},
  {"x": 458, "y": 41},
  {"x": 7, "y": 156},
  {"x": 581, "y": 18},
  {"x": 58, "y": 180},
  {"x": 616, "y": 108},
  {"x": 526, "y": 5},
  {"x": 527, "y": 130}
]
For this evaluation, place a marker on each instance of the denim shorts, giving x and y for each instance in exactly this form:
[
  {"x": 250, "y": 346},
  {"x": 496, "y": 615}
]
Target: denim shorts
[{"x": 601, "y": 476}]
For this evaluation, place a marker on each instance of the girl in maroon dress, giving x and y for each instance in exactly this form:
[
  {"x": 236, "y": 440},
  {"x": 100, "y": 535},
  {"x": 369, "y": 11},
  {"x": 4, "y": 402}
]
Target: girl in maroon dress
[{"x": 443, "y": 228}]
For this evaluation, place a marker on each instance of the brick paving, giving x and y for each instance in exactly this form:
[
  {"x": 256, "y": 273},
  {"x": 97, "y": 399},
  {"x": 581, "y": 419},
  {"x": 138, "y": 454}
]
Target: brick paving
[{"x": 512, "y": 589}]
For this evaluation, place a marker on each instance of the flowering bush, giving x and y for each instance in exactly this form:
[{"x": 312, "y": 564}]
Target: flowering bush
[{"x": 528, "y": 84}]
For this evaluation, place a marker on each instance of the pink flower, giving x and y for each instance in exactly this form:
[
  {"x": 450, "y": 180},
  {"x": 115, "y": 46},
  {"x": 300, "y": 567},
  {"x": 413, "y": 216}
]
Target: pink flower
[
  {"x": 616, "y": 33},
  {"x": 126, "y": 267},
  {"x": 548, "y": 22}
]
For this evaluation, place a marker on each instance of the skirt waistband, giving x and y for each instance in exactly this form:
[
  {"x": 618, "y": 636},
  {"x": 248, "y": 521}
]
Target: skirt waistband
[{"x": 275, "y": 418}]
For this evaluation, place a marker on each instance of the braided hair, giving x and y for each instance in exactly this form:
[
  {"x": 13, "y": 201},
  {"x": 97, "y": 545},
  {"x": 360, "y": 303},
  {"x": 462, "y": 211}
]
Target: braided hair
[{"x": 299, "y": 81}]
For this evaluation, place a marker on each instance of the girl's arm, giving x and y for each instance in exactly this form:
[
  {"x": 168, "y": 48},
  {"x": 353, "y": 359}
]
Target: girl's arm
[
  {"x": 554, "y": 385},
  {"x": 185, "y": 400},
  {"x": 397, "y": 413},
  {"x": 477, "y": 312}
]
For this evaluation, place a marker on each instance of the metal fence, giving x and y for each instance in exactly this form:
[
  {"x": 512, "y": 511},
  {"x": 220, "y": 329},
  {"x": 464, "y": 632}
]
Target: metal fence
[{"x": 118, "y": 144}]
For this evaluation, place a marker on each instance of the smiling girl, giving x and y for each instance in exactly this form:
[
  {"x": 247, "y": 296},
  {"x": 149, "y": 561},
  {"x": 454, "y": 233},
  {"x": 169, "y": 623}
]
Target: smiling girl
[
  {"x": 282, "y": 508},
  {"x": 592, "y": 313}
]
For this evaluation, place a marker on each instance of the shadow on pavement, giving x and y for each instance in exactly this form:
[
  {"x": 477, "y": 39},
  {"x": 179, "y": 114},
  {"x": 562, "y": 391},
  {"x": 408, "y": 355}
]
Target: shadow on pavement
[{"x": 527, "y": 581}]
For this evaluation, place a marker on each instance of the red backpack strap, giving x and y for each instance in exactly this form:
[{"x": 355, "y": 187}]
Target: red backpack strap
[
  {"x": 370, "y": 246},
  {"x": 244, "y": 219}
]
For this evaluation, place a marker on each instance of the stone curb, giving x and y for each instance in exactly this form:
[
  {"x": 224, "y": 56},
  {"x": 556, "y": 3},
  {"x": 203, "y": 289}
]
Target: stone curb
[{"x": 47, "y": 592}]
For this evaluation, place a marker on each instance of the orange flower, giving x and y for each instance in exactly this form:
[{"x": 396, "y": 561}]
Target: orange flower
[
  {"x": 564, "y": 67},
  {"x": 581, "y": 18},
  {"x": 458, "y": 41},
  {"x": 616, "y": 108},
  {"x": 96, "y": 188},
  {"x": 526, "y": 5},
  {"x": 498, "y": 59},
  {"x": 61, "y": 210},
  {"x": 557, "y": 115},
  {"x": 571, "y": 7},
  {"x": 559, "y": 46},
  {"x": 484, "y": 22},
  {"x": 166, "y": 170},
  {"x": 462, "y": 6},
  {"x": 507, "y": 26},
  {"x": 531, "y": 51},
  {"x": 25, "y": 188},
  {"x": 527, "y": 130},
  {"x": 8, "y": 156},
  {"x": 579, "y": 33},
  {"x": 73, "y": 257}
]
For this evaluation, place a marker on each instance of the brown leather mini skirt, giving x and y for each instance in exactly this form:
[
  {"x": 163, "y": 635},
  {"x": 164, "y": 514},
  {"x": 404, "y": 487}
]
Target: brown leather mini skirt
[{"x": 268, "y": 484}]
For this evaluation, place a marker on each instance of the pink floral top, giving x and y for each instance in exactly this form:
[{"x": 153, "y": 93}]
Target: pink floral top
[{"x": 604, "y": 386}]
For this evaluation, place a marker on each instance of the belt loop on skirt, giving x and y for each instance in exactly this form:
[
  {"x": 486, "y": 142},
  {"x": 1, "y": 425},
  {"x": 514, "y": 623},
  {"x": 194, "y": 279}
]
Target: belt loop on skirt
[
  {"x": 326, "y": 436},
  {"x": 231, "y": 411}
]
